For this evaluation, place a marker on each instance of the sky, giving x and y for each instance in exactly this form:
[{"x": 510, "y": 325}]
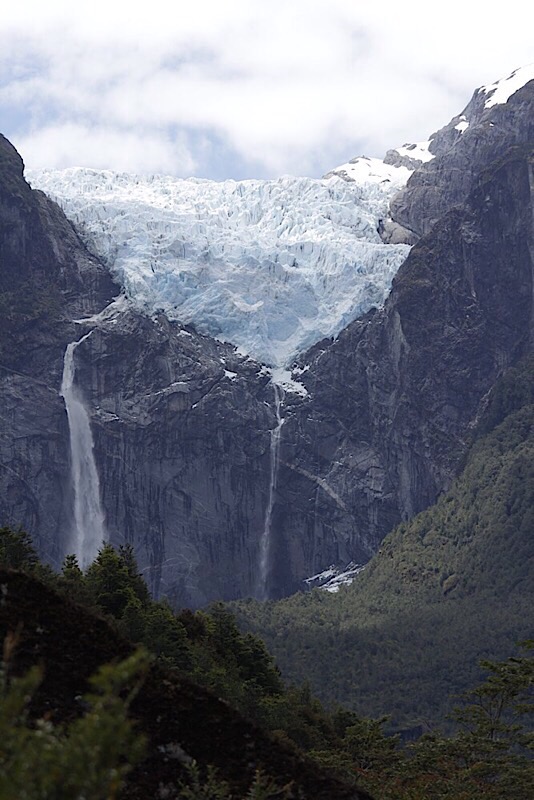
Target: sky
[{"x": 243, "y": 88}]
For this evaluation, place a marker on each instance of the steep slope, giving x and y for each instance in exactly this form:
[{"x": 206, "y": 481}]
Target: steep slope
[
  {"x": 46, "y": 279},
  {"x": 392, "y": 400},
  {"x": 226, "y": 483},
  {"x": 180, "y": 720},
  {"x": 180, "y": 422},
  {"x": 454, "y": 585},
  {"x": 497, "y": 117},
  {"x": 45, "y": 274}
]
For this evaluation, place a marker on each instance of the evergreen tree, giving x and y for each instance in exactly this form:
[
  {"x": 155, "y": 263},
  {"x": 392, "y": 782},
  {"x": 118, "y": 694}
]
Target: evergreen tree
[
  {"x": 17, "y": 550},
  {"x": 114, "y": 581},
  {"x": 88, "y": 758}
]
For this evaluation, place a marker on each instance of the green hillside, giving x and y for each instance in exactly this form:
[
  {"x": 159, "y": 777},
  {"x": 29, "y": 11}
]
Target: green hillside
[{"x": 451, "y": 587}]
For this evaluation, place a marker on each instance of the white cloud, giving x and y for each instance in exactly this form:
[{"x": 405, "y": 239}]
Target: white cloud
[
  {"x": 100, "y": 147},
  {"x": 289, "y": 86}
]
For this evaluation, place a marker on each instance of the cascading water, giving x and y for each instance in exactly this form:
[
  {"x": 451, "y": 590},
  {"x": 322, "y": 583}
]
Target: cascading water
[
  {"x": 265, "y": 542},
  {"x": 89, "y": 532}
]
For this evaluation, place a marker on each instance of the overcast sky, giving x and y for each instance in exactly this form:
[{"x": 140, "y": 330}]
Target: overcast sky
[{"x": 243, "y": 88}]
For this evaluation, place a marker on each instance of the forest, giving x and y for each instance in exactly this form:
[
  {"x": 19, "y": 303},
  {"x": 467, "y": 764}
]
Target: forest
[
  {"x": 449, "y": 588},
  {"x": 487, "y": 754}
]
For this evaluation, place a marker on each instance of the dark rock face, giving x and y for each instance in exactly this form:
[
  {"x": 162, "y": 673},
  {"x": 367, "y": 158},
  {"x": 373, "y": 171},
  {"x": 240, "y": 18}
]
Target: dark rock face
[
  {"x": 182, "y": 431},
  {"x": 460, "y": 156},
  {"x": 42, "y": 258},
  {"x": 46, "y": 279},
  {"x": 182, "y": 424},
  {"x": 393, "y": 399}
]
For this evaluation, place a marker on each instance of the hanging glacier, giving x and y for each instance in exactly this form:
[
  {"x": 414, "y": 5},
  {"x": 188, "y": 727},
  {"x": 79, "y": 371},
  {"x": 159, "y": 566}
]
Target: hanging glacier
[{"x": 270, "y": 266}]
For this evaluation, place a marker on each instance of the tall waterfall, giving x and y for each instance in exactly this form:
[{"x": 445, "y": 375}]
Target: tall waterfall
[
  {"x": 265, "y": 542},
  {"x": 89, "y": 532}
]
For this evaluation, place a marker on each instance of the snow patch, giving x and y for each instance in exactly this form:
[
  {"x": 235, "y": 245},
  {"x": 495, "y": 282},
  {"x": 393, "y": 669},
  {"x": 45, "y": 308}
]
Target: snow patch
[
  {"x": 462, "y": 125},
  {"x": 113, "y": 310},
  {"x": 372, "y": 170},
  {"x": 501, "y": 91},
  {"x": 332, "y": 578},
  {"x": 284, "y": 378},
  {"x": 418, "y": 151}
]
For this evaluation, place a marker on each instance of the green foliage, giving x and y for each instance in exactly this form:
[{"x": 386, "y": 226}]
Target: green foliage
[
  {"x": 207, "y": 646},
  {"x": 164, "y": 635},
  {"x": 208, "y": 786},
  {"x": 451, "y": 587},
  {"x": 88, "y": 758},
  {"x": 201, "y": 786},
  {"x": 114, "y": 581},
  {"x": 490, "y": 755},
  {"x": 237, "y": 666},
  {"x": 496, "y": 741},
  {"x": 72, "y": 581},
  {"x": 17, "y": 550}
]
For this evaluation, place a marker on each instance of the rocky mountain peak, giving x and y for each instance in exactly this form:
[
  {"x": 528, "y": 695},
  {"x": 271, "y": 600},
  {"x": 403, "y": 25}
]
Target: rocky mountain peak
[
  {"x": 498, "y": 116},
  {"x": 225, "y": 485}
]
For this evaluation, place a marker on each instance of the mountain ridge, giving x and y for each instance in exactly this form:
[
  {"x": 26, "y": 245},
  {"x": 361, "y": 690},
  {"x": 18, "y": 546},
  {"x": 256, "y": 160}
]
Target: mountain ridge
[
  {"x": 399, "y": 390},
  {"x": 183, "y": 424}
]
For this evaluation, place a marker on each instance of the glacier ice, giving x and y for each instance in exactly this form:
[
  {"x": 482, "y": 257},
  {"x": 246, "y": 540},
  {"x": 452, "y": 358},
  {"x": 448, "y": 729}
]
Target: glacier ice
[{"x": 270, "y": 266}]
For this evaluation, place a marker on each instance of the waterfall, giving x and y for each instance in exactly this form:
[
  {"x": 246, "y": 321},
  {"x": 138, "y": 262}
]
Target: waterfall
[
  {"x": 88, "y": 533},
  {"x": 265, "y": 542}
]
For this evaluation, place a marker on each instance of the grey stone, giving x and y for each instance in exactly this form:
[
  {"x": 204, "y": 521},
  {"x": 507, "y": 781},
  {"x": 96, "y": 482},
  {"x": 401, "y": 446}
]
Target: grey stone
[{"x": 183, "y": 448}]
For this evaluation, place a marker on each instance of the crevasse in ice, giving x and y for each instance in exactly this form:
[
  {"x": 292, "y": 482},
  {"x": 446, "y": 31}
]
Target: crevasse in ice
[{"x": 270, "y": 266}]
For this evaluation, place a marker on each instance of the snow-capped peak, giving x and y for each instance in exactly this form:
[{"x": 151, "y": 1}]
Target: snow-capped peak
[
  {"x": 418, "y": 151},
  {"x": 372, "y": 170},
  {"x": 500, "y": 91}
]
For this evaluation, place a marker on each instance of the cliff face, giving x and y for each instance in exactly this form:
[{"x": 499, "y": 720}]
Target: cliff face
[
  {"x": 190, "y": 470},
  {"x": 182, "y": 432},
  {"x": 464, "y": 148},
  {"x": 44, "y": 267},
  {"x": 394, "y": 397},
  {"x": 46, "y": 280},
  {"x": 180, "y": 422}
]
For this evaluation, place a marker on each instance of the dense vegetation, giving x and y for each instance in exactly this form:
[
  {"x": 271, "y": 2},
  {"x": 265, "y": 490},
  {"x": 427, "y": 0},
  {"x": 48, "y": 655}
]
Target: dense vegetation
[
  {"x": 488, "y": 757},
  {"x": 451, "y": 587},
  {"x": 208, "y": 647},
  {"x": 88, "y": 758},
  {"x": 180, "y": 720}
]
